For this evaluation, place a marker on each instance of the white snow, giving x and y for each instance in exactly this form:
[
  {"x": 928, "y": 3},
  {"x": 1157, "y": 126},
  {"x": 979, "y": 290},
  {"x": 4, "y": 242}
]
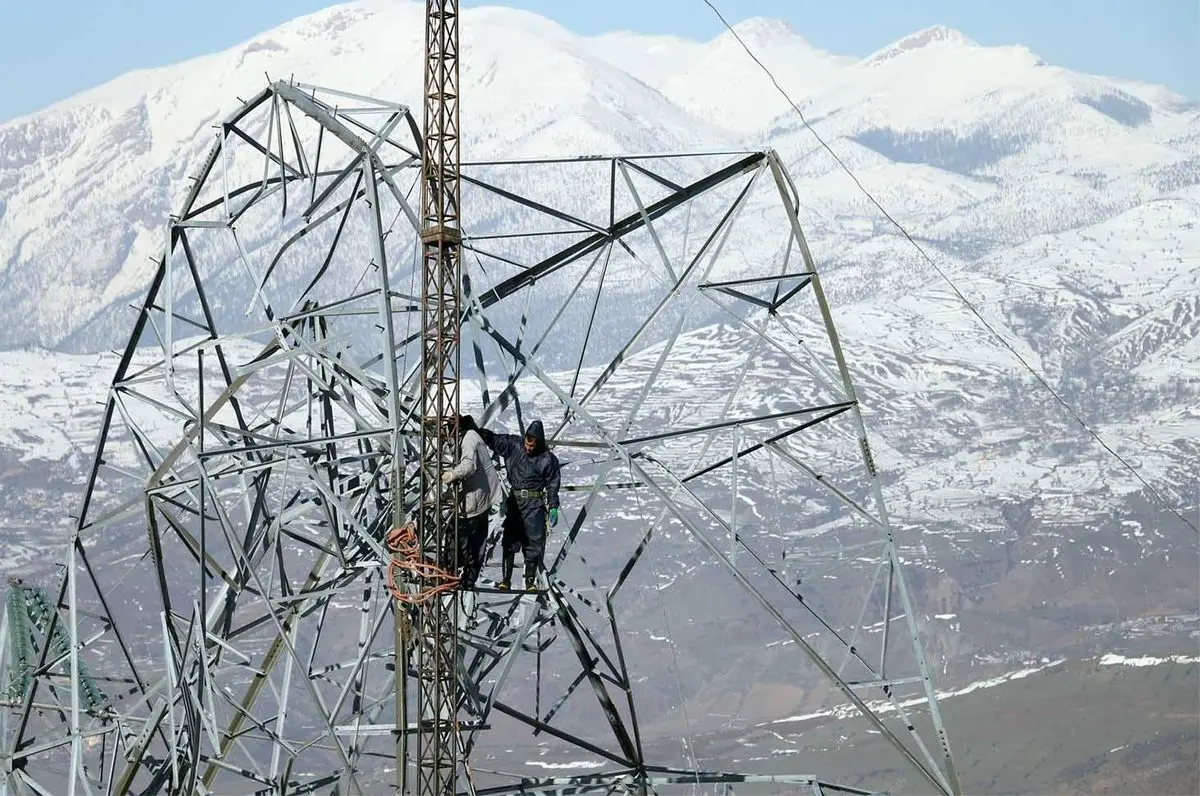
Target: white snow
[
  {"x": 1116, "y": 659},
  {"x": 886, "y": 706},
  {"x": 567, "y": 766},
  {"x": 87, "y": 183},
  {"x": 1043, "y": 193}
]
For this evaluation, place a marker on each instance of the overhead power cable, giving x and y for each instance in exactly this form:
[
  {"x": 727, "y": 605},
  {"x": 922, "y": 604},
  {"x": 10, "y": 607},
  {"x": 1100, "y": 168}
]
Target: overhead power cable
[{"x": 1078, "y": 418}]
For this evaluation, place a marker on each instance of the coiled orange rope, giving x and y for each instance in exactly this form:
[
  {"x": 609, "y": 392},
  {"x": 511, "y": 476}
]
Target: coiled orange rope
[{"x": 406, "y": 558}]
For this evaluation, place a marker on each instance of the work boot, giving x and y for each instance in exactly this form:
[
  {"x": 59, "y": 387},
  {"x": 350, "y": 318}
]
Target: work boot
[
  {"x": 509, "y": 562},
  {"x": 530, "y": 583},
  {"x": 467, "y": 614}
]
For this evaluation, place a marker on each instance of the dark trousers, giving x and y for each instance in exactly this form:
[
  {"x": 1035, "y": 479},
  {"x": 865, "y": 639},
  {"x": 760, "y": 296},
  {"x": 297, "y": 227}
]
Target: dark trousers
[
  {"x": 525, "y": 530},
  {"x": 472, "y": 535}
]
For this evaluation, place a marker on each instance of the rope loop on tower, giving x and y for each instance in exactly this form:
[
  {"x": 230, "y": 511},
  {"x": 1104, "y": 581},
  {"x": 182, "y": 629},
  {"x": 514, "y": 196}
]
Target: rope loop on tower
[{"x": 432, "y": 580}]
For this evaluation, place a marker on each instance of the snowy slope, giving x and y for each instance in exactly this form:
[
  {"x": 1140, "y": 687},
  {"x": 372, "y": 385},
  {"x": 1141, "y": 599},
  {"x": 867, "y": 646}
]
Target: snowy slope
[
  {"x": 977, "y": 148},
  {"x": 86, "y": 184}
]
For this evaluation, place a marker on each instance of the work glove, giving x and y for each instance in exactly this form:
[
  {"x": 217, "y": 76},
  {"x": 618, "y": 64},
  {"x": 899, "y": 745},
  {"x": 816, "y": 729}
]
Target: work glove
[
  {"x": 447, "y": 478},
  {"x": 553, "y": 517}
]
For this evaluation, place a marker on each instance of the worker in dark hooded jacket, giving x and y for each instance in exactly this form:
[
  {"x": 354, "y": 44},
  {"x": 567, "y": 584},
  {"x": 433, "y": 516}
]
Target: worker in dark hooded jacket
[{"x": 533, "y": 473}]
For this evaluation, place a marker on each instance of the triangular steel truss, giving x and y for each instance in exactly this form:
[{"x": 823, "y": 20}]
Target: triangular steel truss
[{"x": 226, "y": 588}]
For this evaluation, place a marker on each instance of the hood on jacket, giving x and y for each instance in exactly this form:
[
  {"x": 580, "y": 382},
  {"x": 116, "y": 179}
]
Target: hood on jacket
[{"x": 538, "y": 433}]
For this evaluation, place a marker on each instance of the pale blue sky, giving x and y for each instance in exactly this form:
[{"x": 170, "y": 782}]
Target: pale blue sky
[{"x": 55, "y": 48}]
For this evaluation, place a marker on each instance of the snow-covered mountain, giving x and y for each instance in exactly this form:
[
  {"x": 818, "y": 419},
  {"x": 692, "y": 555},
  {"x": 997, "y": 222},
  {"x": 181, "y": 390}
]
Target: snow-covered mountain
[
  {"x": 1066, "y": 206},
  {"x": 975, "y": 148}
]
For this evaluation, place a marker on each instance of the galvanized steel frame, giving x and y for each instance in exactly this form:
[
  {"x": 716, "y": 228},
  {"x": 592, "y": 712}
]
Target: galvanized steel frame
[{"x": 167, "y": 734}]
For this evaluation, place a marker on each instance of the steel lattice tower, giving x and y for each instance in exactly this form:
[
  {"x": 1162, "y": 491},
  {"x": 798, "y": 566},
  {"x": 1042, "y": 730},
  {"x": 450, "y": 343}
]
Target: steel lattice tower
[
  {"x": 440, "y": 314},
  {"x": 223, "y": 620}
]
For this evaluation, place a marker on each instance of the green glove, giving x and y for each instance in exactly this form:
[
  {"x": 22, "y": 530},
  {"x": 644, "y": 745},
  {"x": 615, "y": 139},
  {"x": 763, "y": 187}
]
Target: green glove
[{"x": 553, "y": 517}]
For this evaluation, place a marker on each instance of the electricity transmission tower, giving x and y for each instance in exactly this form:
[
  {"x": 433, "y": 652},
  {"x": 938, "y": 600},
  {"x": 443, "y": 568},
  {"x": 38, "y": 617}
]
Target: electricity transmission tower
[
  {"x": 239, "y": 611},
  {"x": 437, "y": 642}
]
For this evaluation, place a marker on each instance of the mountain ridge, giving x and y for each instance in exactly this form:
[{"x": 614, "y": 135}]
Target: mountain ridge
[{"x": 74, "y": 176}]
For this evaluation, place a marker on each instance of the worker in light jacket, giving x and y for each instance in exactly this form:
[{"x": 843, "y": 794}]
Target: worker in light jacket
[
  {"x": 533, "y": 474},
  {"x": 480, "y": 491}
]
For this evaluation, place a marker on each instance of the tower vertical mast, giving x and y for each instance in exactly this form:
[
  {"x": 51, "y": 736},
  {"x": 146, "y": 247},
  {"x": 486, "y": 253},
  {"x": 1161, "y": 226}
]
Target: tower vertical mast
[{"x": 437, "y": 691}]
